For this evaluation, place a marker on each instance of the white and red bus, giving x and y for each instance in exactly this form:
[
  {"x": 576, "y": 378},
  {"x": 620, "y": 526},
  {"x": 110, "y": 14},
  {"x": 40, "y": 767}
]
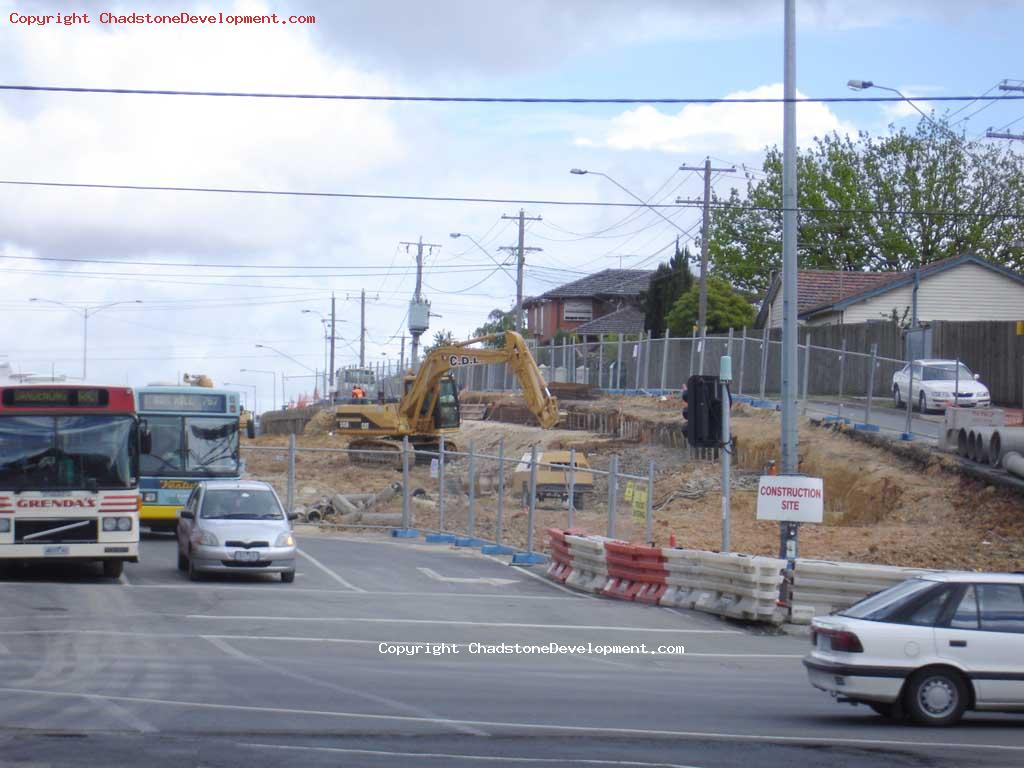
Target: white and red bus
[{"x": 69, "y": 474}]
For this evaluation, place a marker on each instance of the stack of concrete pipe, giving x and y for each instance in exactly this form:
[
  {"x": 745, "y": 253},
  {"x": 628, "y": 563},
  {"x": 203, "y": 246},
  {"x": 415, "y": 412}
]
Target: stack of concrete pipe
[{"x": 998, "y": 446}]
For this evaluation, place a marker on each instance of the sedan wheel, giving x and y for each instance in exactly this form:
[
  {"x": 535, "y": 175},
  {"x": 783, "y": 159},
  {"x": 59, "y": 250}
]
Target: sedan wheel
[{"x": 936, "y": 697}]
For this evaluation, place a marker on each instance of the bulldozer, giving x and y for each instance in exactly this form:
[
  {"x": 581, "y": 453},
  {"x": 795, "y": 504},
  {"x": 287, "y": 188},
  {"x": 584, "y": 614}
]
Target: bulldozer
[{"x": 429, "y": 406}]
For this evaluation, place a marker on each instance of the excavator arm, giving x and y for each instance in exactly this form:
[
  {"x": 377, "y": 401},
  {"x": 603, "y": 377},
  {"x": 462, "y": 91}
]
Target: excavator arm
[{"x": 514, "y": 352}]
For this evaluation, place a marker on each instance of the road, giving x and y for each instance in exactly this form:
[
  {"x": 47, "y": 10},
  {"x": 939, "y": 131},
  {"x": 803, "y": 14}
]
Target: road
[
  {"x": 889, "y": 418},
  {"x": 157, "y": 670}
]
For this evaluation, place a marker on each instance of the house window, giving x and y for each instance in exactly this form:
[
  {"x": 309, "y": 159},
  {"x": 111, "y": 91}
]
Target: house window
[{"x": 578, "y": 311}]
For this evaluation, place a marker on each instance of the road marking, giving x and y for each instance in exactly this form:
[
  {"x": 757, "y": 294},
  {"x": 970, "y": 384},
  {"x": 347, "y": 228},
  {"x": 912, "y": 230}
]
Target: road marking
[
  {"x": 425, "y": 714},
  {"x": 329, "y": 572},
  {"x": 491, "y": 580},
  {"x": 536, "y": 727},
  {"x": 549, "y": 582},
  {"x": 449, "y": 622},
  {"x": 480, "y": 758}
]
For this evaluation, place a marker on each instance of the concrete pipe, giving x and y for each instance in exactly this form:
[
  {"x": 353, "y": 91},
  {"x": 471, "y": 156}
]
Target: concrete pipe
[
  {"x": 982, "y": 440},
  {"x": 1004, "y": 440},
  {"x": 961, "y": 442},
  {"x": 1014, "y": 463}
]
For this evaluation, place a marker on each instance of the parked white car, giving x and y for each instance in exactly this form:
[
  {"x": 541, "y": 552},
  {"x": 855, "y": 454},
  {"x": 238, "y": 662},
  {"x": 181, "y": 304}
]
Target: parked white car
[
  {"x": 937, "y": 384},
  {"x": 928, "y": 648}
]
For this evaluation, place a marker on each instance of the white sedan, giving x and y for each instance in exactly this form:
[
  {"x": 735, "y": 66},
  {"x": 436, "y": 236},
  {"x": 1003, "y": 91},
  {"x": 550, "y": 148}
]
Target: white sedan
[
  {"x": 928, "y": 648},
  {"x": 937, "y": 384}
]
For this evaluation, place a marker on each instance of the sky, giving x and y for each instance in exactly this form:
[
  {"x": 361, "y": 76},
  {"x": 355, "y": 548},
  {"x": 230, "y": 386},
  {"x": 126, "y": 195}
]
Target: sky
[{"x": 199, "y": 279}]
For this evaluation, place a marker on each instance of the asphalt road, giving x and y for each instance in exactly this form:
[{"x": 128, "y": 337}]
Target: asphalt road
[
  {"x": 160, "y": 671},
  {"x": 884, "y": 414}
]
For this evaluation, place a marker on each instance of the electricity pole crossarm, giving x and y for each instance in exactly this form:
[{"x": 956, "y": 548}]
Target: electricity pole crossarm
[
  {"x": 707, "y": 170},
  {"x": 990, "y": 134},
  {"x": 522, "y": 218}
]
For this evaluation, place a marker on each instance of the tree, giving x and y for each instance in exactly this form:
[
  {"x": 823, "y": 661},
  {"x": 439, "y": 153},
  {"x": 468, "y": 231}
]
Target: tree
[
  {"x": 441, "y": 339},
  {"x": 498, "y": 321},
  {"x": 726, "y": 309},
  {"x": 881, "y": 204},
  {"x": 668, "y": 283}
]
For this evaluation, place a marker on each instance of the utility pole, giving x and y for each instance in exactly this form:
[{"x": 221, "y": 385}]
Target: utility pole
[
  {"x": 522, "y": 218},
  {"x": 707, "y": 170},
  {"x": 401, "y": 355},
  {"x": 362, "y": 330},
  {"x": 330, "y": 384},
  {"x": 790, "y": 437},
  {"x": 419, "y": 308}
]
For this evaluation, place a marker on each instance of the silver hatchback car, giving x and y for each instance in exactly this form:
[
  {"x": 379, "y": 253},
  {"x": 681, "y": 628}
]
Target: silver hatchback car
[{"x": 233, "y": 526}]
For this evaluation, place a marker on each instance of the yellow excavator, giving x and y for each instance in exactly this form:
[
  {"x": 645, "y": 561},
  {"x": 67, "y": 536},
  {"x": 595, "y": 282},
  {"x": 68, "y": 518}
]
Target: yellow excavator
[{"x": 429, "y": 406}]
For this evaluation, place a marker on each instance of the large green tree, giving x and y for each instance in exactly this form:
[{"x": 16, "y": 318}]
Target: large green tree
[
  {"x": 669, "y": 281},
  {"x": 498, "y": 321},
  {"x": 882, "y": 204},
  {"x": 726, "y": 309}
]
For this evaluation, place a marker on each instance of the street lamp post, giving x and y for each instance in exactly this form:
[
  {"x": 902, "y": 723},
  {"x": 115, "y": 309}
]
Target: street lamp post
[
  {"x": 87, "y": 312},
  {"x": 273, "y": 376}
]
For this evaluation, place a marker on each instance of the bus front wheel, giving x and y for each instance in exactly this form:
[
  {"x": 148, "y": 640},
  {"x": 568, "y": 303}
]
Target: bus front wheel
[{"x": 112, "y": 569}]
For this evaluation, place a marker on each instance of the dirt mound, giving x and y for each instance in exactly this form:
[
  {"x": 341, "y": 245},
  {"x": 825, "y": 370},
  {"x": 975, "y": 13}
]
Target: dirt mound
[{"x": 321, "y": 424}]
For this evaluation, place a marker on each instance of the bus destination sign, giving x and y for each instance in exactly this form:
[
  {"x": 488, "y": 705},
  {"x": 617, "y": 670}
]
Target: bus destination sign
[
  {"x": 188, "y": 402},
  {"x": 55, "y": 397}
]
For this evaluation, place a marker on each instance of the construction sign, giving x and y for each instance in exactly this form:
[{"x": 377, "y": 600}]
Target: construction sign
[
  {"x": 790, "y": 498},
  {"x": 629, "y": 491},
  {"x": 639, "y": 502}
]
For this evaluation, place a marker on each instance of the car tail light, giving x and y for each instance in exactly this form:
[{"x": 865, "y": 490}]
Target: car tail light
[{"x": 842, "y": 640}]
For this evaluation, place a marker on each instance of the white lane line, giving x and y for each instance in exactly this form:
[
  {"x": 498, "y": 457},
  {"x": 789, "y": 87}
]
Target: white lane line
[
  {"x": 493, "y": 581},
  {"x": 480, "y": 758},
  {"x": 450, "y": 622},
  {"x": 291, "y": 589},
  {"x": 400, "y": 706},
  {"x": 329, "y": 572},
  {"x": 550, "y": 583},
  {"x": 128, "y": 717},
  {"x": 535, "y": 727}
]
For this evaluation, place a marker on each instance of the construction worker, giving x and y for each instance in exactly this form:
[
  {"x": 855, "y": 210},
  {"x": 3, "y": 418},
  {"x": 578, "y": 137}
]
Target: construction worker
[{"x": 358, "y": 392}]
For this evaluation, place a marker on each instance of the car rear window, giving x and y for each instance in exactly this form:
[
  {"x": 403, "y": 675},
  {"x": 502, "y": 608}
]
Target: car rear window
[
  {"x": 236, "y": 504},
  {"x": 901, "y": 600}
]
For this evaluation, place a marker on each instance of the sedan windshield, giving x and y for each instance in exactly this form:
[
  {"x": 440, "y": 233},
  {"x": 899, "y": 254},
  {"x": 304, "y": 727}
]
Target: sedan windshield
[
  {"x": 91, "y": 452},
  {"x": 947, "y": 372},
  {"x": 882, "y": 605},
  {"x": 233, "y": 504}
]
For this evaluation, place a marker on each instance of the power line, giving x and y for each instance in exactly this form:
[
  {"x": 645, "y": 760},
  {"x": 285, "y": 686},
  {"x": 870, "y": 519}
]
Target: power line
[
  {"x": 491, "y": 99},
  {"x": 506, "y": 201}
]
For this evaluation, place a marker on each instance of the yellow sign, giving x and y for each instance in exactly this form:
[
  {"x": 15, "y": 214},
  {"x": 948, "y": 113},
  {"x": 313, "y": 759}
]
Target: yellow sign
[
  {"x": 1020, "y": 327},
  {"x": 629, "y": 491},
  {"x": 639, "y": 501},
  {"x": 178, "y": 485}
]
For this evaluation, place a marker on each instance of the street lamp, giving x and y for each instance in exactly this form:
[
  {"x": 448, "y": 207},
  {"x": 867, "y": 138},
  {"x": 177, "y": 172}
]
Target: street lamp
[
  {"x": 285, "y": 355},
  {"x": 644, "y": 203},
  {"x": 863, "y": 85},
  {"x": 456, "y": 235},
  {"x": 273, "y": 376},
  {"x": 86, "y": 313}
]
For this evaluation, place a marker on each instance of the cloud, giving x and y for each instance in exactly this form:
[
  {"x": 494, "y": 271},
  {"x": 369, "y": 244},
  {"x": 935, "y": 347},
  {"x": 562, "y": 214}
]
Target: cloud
[{"x": 703, "y": 128}]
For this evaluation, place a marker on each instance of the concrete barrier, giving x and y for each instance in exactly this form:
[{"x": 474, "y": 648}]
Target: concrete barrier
[
  {"x": 821, "y": 587},
  {"x": 738, "y": 586}
]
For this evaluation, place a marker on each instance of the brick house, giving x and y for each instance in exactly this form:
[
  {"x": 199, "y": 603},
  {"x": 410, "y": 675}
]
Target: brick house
[{"x": 581, "y": 306}]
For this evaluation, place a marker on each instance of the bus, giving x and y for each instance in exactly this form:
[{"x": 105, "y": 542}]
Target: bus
[
  {"x": 194, "y": 433},
  {"x": 69, "y": 474}
]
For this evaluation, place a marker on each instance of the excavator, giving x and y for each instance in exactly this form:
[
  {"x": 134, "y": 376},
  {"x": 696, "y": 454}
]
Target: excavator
[{"x": 429, "y": 406}]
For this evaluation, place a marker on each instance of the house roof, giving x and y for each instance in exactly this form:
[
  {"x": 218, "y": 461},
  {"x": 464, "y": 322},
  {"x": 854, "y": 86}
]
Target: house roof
[
  {"x": 626, "y": 283},
  {"x": 820, "y": 291},
  {"x": 629, "y": 319}
]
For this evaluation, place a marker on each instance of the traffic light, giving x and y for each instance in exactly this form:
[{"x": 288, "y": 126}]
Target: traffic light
[{"x": 702, "y": 412}]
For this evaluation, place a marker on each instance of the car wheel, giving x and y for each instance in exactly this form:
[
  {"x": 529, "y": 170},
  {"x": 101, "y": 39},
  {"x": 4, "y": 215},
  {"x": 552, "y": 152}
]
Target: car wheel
[
  {"x": 288, "y": 577},
  {"x": 896, "y": 397},
  {"x": 935, "y": 697},
  {"x": 182, "y": 562},
  {"x": 112, "y": 569},
  {"x": 922, "y": 404},
  {"x": 892, "y": 710},
  {"x": 193, "y": 574}
]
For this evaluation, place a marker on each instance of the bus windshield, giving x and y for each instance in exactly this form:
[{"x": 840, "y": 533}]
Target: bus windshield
[
  {"x": 192, "y": 445},
  {"x": 87, "y": 452}
]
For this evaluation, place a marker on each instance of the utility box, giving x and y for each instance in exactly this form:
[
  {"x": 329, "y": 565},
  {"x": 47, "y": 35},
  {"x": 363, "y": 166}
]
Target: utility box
[{"x": 419, "y": 316}]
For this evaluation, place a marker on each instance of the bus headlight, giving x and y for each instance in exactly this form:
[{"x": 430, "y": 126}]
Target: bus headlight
[
  {"x": 124, "y": 523},
  {"x": 149, "y": 497},
  {"x": 5, "y": 525},
  {"x": 109, "y": 524}
]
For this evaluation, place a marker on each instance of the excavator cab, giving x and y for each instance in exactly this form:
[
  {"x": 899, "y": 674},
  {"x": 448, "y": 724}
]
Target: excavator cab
[{"x": 446, "y": 408}]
